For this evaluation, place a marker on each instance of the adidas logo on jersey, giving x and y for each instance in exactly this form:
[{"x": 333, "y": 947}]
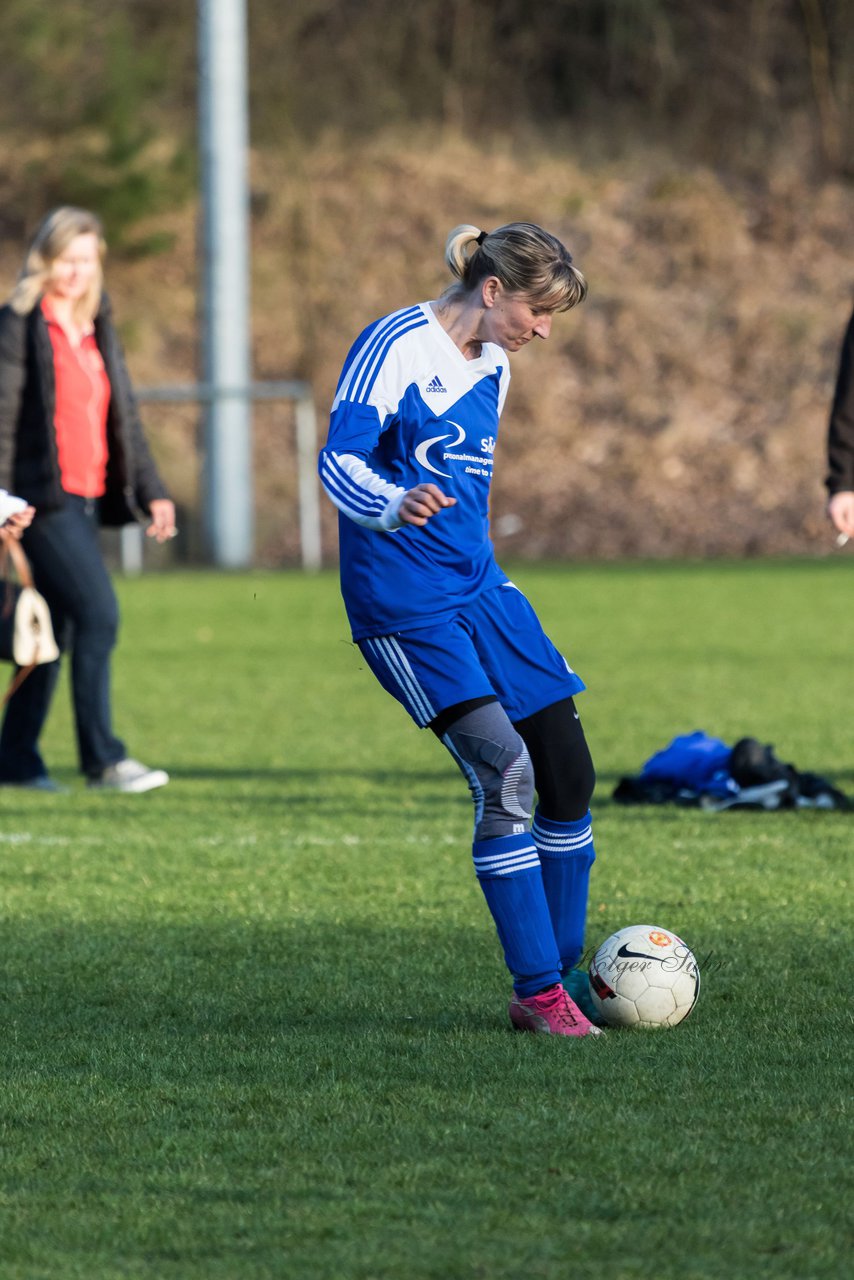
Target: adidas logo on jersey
[{"x": 435, "y": 385}]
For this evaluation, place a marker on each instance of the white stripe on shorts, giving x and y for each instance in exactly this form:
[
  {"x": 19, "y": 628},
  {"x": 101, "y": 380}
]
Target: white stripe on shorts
[{"x": 414, "y": 697}]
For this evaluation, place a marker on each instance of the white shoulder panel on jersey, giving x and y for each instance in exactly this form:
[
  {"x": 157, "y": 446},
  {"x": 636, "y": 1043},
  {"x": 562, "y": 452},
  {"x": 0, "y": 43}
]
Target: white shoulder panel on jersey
[
  {"x": 410, "y": 348},
  {"x": 379, "y": 369}
]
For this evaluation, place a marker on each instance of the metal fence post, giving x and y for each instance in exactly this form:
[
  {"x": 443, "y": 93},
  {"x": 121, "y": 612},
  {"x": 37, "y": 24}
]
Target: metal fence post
[
  {"x": 131, "y": 542},
  {"x": 309, "y": 508},
  {"x": 308, "y": 483}
]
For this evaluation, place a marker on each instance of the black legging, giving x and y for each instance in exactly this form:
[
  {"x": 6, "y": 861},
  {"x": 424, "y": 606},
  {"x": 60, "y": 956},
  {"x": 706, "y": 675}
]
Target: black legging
[{"x": 563, "y": 769}]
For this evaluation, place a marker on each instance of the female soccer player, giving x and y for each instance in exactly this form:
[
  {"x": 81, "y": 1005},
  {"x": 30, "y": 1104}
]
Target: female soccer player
[{"x": 408, "y": 463}]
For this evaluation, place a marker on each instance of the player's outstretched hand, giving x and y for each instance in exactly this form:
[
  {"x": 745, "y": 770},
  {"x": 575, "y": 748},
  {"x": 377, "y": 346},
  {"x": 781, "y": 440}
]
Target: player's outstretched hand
[{"x": 422, "y": 502}]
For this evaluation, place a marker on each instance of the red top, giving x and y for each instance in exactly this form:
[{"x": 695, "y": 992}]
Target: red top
[{"x": 82, "y": 401}]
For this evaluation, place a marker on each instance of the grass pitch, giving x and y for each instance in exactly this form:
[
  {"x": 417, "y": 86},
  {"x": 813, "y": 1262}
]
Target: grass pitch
[{"x": 236, "y": 1042}]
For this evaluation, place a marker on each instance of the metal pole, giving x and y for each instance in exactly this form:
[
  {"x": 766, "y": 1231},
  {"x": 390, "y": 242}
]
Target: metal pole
[{"x": 223, "y": 139}]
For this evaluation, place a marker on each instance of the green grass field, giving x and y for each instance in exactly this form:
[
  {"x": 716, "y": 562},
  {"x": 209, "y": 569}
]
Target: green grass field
[{"x": 235, "y": 1042}]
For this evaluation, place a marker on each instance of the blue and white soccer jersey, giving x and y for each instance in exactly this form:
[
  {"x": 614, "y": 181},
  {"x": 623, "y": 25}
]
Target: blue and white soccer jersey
[{"x": 410, "y": 409}]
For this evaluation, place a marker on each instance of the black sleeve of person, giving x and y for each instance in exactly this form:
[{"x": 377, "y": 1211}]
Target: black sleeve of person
[{"x": 840, "y": 437}]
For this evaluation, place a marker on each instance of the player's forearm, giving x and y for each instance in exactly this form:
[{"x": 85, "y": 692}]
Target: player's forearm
[{"x": 360, "y": 493}]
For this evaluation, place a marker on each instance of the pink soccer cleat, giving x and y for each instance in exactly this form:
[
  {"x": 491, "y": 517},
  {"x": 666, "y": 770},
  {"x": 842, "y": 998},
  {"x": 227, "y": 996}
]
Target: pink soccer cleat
[{"x": 551, "y": 1013}]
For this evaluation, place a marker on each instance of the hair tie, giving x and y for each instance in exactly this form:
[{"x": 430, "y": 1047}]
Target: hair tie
[{"x": 482, "y": 237}]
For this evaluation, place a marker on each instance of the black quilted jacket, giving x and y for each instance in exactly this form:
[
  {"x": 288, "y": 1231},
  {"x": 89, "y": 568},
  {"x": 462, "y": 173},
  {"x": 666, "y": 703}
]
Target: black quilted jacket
[{"x": 29, "y": 463}]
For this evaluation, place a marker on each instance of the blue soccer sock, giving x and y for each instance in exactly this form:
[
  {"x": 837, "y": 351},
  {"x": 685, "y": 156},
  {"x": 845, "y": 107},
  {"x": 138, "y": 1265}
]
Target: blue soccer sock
[
  {"x": 509, "y": 873},
  {"x": 566, "y": 853}
]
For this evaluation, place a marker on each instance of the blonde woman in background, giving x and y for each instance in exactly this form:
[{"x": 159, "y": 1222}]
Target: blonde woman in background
[{"x": 72, "y": 445}]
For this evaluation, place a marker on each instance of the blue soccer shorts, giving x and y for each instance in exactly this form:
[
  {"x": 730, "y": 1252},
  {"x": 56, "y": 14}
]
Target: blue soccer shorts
[{"x": 494, "y": 647}]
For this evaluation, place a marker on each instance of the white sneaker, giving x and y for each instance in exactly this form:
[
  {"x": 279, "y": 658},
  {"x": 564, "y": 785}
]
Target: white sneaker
[{"x": 130, "y": 775}]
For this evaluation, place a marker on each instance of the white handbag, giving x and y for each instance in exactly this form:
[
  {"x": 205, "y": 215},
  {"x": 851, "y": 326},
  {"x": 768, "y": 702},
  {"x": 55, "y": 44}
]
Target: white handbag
[{"x": 26, "y": 630}]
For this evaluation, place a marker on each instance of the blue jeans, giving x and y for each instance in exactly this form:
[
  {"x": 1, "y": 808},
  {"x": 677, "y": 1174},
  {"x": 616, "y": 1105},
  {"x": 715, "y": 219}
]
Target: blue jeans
[{"x": 68, "y": 569}]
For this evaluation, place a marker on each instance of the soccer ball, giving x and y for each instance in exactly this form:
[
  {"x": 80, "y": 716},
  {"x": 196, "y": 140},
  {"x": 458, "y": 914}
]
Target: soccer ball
[{"x": 644, "y": 976}]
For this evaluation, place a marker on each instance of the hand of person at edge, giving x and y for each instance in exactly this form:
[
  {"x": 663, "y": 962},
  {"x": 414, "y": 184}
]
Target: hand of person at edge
[
  {"x": 16, "y": 524},
  {"x": 422, "y": 502},
  {"x": 162, "y": 525},
  {"x": 840, "y": 508}
]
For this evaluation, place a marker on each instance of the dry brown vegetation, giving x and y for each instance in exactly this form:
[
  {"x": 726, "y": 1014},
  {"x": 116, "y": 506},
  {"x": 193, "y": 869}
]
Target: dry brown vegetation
[
  {"x": 681, "y": 411},
  {"x": 696, "y": 158}
]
